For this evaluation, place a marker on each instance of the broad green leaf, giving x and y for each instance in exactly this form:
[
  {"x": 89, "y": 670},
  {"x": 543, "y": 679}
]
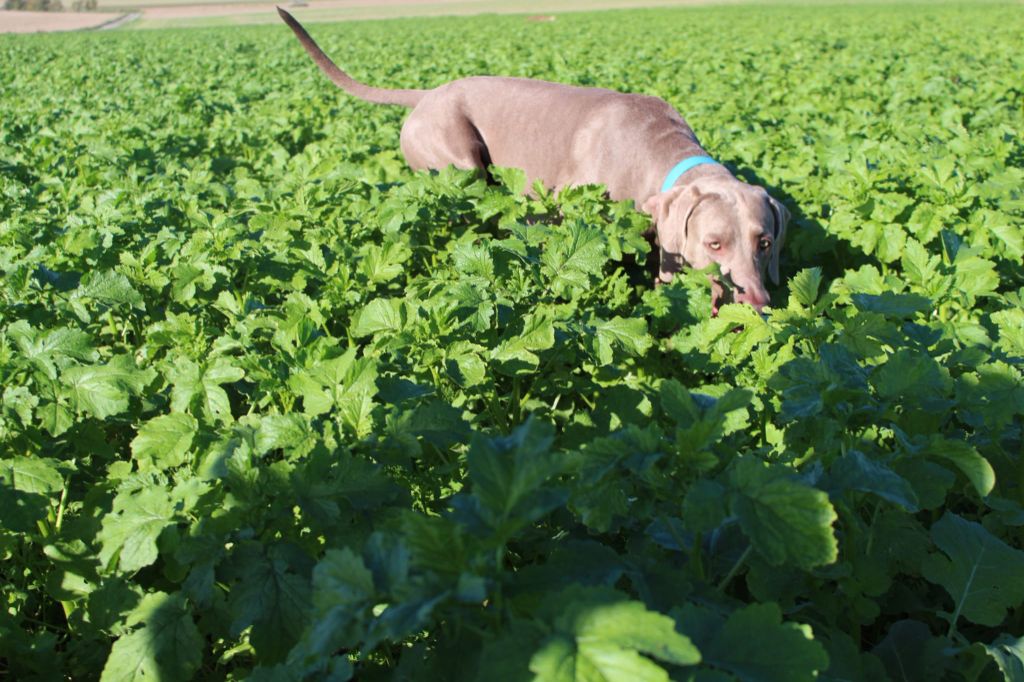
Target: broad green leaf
[
  {"x": 513, "y": 179},
  {"x": 704, "y": 507},
  {"x": 805, "y": 285},
  {"x": 629, "y": 624},
  {"x": 465, "y": 365},
  {"x": 702, "y": 419},
  {"x": 574, "y": 259},
  {"x": 628, "y": 334},
  {"x": 507, "y": 473},
  {"x": 322, "y": 484},
  {"x": 923, "y": 270},
  {"x": 51, "y": 349},
  {"x": 186, "y": 277},
  {"x": 32, "y": 474},
  {"x": 1011, "y": 237},
  {"x": 109, "y": 288},
  {"x": 473, "y": 259},
  {"x": 290, "y": 432},
  {"x": 301, "y": 323},
  {"x": 907, "y": 373},
  {"x": 975, "y": 276},
  {"x": 602, "y": 636},
  {"x": 786, "y": 521},
  {"x": 983, "y": 575},
  {"x": 385, "y": 262},
  {"x": 912, "y": 654},
  {"x": 561, "y": 660},
  {"x": 994, "y": 396},
  {"x": 892, "y": 305},
  {"x": 387, "y": 558},
  {"x": 1008, "y": 653},
  {"x": 757, "y": 646},
  {"x": 474, "y": 303},
  {"x": 381, "y": 315},
  {"x": 168, "y": 645},
  {"x": 507, "y": 658},
  {"x": 802, "y": 384},
  {"x": 846, "y": 661},
  {"x": 55, "y": 417},
  {"x": 94, "y": 390},
  {"x": 163, "y": 442},
  {"x": 931, "y": 481},
  {"x": 516, "y": 355},
  {"x": 1011, "y": 330},
  {"x": 129, "y": 533},
  {"x": 198, "y": 387},
  {"x": 341, "y": 579},
  {"x": 967, "y": 459},
  {"x": 741, "y": 327},
  {"x": 343, "y": 589},
  {"x": 434, "y": 542},
  {"x": 345, "y": 384},
  {"x": 20, "y": 512},
  {"x": 17, "y": 401},
  {"x": 104, "y": 390},
  {"x": 273, "y": 600},
  {"x": 855, "y": 471},
  {"x": 678, "y": 403}
]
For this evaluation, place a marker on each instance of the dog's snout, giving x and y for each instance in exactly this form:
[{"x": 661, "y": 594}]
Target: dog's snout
[{"x": 757, "y": 299}]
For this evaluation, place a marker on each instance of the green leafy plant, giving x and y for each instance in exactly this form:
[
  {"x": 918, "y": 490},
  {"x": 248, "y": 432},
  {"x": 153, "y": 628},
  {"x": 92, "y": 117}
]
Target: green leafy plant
[{"x": 274, "y": 407}]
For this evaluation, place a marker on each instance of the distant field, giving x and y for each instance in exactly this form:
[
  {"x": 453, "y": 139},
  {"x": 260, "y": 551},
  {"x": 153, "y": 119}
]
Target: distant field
[
  {"x": 183, "y": 13},
  {"x": 149, "y": 14},
  {"x": 195, "y": 14},
  {"x": 152, "y": 14},
  {"x": 397, "y": 5}
]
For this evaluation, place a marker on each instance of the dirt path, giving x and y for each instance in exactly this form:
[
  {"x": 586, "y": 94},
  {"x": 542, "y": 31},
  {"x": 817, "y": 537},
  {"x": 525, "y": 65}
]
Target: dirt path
[
  {"x": 40, "y": 22},
  {"x": 213, "y": 9},
  {"x": 120, "y": 21}
]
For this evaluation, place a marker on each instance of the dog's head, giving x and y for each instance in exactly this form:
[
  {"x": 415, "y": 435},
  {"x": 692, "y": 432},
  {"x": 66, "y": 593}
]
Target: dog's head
[{"x": 718, "y": 218}]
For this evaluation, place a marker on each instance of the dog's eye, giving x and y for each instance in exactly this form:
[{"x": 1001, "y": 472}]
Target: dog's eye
[
  {"x": 714, "y": 246},
  {"x": 764, "y": 244}
]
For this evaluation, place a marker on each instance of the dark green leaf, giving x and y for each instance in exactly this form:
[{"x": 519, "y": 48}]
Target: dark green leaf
[{"x": 983, "y": 575}]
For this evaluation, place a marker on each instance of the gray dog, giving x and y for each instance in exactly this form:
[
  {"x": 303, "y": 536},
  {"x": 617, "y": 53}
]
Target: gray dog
[{"x": 639, "y": 147}]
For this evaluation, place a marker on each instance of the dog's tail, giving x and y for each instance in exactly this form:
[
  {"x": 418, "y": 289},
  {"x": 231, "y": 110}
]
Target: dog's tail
[{"x": 405, "y": 98}]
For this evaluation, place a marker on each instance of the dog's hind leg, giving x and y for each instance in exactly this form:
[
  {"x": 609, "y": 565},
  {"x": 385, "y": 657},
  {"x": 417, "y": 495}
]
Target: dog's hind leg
[{"x": 432, "y": 141}]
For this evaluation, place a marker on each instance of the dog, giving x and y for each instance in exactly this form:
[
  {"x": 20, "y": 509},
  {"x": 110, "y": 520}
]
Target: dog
[{"x": 637, "y": 146}]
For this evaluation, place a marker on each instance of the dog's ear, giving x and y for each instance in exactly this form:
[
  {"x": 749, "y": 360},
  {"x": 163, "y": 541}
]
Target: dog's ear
[
  {"x": 670, "y": 212},
  {"x": 781, "y": 221}
]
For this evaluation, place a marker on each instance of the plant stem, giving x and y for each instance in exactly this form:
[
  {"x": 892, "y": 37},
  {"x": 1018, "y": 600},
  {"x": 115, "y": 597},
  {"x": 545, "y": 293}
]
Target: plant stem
[
  {"x": 60, "y": 508},
  {"x": 697, "y": 557},
  {"x": 517, "y": 410},
  {"x": 871, "y": 530},
  {"x": 735, "y": 568}
]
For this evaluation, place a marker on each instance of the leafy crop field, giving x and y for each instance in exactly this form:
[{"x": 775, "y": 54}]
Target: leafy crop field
[
  {"x": 199, "y": 13},
  {"x": 273, "y": 407}
]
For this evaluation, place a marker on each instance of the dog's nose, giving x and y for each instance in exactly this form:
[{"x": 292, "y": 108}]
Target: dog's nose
[{"x": 757, "y": 299}]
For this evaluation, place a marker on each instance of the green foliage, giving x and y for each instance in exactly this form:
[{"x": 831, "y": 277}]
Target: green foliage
[
  {"x": 778, "y": 652},
  {"x": 598, "y": 635},
  {"x": 166, "y": 645},
  {"x": 274, "y": 407},
  {"x": 982, "y": 573}
]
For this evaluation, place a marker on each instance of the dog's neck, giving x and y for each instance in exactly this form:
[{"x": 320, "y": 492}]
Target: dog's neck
[
  {"x": 667, "y": 158},
  {"x": 705, "y": 170}
]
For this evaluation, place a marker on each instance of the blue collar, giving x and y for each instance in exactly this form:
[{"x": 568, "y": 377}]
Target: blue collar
[{"x": 682, "y": 167}]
